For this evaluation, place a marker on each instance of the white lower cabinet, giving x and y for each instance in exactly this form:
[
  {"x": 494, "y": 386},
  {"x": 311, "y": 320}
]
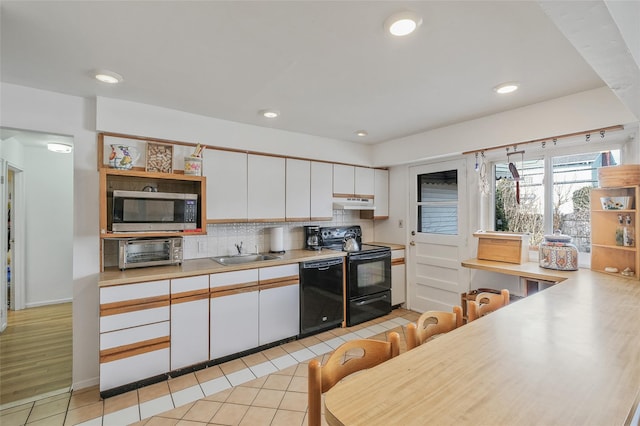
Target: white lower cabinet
[
  {"x": 189, "y": 321},
  {"x": 134, "y": 333},
  {"x": 279, "y": 303},
  {"x": 279, "y": 313},
  {"x": 234, "y": 322},
  {"x": 233, "y": 312},
  {"x": 398, "y": 278}
]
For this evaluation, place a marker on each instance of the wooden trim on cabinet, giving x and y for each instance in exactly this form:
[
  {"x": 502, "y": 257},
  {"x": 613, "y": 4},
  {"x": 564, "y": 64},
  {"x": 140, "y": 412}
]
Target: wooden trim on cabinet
[
  {"x": 279, "y": 284},
  {"x": 268, "y": 220},
  {"x": 397, "y": 261},
  {"x": 138, "y": 348},
  {"x": 291, "y": 279},
  {"x": 229, "y": 220},
  {"x": 233, "y": 291},
  {"x": 133, "y": 305},
  {"x": 189, "y": 296},
  {"x": 370, "y": 196},
  {"x": 338, "y": 195},
  {"x": 314, "y": 219},
  {"x": 232, "y": 287},
  {"x": 298, "y": 219}
]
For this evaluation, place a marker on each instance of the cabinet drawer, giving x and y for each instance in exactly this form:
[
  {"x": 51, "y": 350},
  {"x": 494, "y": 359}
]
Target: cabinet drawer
[
  {"x": 132, "y": 337},
  {"x": 123, "y": 293},
  {"x": 133, "y": 319},
  {"x": 189, "y": 284},
  {"x": 134, "y": 368},
  {"x": 282, "y": 271},
  {"x": 226, "y": 280}
]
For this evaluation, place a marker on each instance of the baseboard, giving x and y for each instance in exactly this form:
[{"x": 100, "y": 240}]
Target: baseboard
[
  {"x": 95, "y": 381},
  {"x": 48, "y": 302}
]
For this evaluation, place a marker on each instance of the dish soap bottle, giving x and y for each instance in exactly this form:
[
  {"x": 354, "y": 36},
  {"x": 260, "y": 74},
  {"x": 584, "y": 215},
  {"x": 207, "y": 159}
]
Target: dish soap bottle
[
  {"x": 620, "y": 232},
  {"x": 629, "y": 233}
]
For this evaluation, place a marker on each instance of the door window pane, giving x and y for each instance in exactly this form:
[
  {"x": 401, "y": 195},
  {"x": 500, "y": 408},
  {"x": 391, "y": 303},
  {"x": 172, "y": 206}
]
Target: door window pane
[{"x": 438, "y": 203}]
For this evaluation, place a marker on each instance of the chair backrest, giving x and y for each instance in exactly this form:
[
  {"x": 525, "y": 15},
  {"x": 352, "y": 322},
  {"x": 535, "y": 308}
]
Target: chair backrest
[
  {"x": 348, "y": 358},
  {"x": 431, "y": 323},
  {"x": 485, "y": 303}
]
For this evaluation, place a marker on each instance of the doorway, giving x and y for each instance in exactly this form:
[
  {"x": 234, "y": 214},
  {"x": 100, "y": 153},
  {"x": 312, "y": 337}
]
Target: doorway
[
  {"x": 37, "y": 266},
  {"x": 438, "y": 235}
]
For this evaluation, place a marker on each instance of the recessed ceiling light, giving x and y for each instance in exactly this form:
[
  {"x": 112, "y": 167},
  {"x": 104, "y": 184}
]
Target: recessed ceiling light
[
  {"x": 402, "y": 23},
  {"x": 61, "y": 148},
  {"x": 269, "y": 113},
  {"x": 505, "y": 88},
  {"x": 109, "y": 77},
  {"x": 362, "y": 133}
]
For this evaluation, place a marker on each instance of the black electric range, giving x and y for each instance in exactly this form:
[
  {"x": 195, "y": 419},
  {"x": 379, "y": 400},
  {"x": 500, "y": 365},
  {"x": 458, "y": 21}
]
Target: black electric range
[{"x": 368, "y": 290}]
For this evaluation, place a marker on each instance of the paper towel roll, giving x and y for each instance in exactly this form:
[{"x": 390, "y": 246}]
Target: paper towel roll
[{"x": 277, "y": 239}]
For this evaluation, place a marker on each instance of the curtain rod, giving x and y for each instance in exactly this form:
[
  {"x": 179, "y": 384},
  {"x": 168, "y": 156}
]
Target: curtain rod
[{"x": 568, "y": 135}]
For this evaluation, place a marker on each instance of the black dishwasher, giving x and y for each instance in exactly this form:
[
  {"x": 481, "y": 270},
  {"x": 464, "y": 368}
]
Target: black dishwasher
[{"x": 321, "y": 295}]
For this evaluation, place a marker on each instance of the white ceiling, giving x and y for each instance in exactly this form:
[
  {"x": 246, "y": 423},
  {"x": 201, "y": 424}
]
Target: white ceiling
[{"x": 327, "y": 66}]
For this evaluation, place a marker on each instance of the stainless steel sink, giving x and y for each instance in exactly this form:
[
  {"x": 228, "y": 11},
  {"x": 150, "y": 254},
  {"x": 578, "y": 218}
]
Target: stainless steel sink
[{"x": 243, "y": 258}]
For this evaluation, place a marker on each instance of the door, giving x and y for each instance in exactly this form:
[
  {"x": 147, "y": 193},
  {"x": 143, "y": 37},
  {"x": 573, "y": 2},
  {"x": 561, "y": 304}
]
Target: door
[
  {"x": 4, "y": 247},
  {"x": 438, "y": 219}
]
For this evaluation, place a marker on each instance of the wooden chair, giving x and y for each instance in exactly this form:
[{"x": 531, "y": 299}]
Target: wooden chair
[
  {"x": 485, "y": 303},
  {"x": 431, "y": 323},
  {"x": 340, "y": 364}
]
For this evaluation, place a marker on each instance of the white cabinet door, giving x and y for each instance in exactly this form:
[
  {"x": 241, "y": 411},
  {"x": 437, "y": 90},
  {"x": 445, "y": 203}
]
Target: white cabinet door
[
  {"x": 279, "y": 313},
  {"x": 189, "y": 321},
  {"x": 398, "y": 280},
  {"x": 233, "y": 312},
  {"x": 226, "y": 174},
  {"x": 343, "y": 180},
  {"x": 381, "y": 199},
  {"x": 266, "y": 190},
  {"x": 234, "y": 322},
  {"x": 298, "y": 187},
  {"x": 279, "y": 303},
  {"x": 321, "y": 191},
  {"x": 364, "y": 186}
]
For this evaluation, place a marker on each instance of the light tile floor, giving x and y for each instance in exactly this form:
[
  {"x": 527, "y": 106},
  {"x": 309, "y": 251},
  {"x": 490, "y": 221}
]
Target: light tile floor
[{"x": 265, "y": 388}]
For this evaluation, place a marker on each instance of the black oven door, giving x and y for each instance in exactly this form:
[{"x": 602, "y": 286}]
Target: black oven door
[{"x": 369, "y": 273}]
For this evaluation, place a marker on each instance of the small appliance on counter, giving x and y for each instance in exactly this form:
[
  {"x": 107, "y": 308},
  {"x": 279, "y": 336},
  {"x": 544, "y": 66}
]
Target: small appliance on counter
[
  {"x": 557, "y": 252},
  {"x": 141, "y": 252},
  {"x": 312, "y": 238},
  {"x": 276, "y": 243}
]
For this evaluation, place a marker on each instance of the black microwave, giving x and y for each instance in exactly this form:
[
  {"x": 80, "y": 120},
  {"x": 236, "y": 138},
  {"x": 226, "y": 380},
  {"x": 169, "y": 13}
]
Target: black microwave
[{"x": 153, "y": 211}]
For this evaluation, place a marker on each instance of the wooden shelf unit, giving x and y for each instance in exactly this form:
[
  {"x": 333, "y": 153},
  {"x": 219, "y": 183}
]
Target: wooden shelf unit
[
  {"x": 604, "y": 250},
  {"x": 136, "y": 180}
]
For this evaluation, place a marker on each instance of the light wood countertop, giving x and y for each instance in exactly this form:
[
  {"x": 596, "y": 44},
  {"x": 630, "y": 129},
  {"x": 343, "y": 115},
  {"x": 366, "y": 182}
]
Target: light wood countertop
[
  {"x": 392, "y": 246},
  {"x": 203, "y": 266},
  {"x": 569, "y": 355}
]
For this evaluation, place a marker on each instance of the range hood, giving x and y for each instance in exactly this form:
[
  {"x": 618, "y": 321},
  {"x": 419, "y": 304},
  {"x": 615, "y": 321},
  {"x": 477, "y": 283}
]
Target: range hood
[{"x": 353, "y": 204}]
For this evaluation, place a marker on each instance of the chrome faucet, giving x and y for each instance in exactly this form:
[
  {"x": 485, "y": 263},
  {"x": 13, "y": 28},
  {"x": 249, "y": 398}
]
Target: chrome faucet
[{"x": 239, "y": 247}]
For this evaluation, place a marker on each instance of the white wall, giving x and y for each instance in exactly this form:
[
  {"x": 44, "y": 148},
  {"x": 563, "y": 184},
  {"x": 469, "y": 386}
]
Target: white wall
[
  {"x": 588, "y": 110},
  {"x": 48, "y": 207},
  {"x": 132, "y": 118},
  {"x": 48, "y": 112}
]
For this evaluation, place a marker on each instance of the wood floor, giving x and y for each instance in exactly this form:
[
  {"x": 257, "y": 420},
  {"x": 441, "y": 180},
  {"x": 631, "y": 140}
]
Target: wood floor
[{"x": 35, "y": 352}]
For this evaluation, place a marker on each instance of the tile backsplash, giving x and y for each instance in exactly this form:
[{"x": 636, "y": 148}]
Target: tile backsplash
[{"x": 255, "y": 237}]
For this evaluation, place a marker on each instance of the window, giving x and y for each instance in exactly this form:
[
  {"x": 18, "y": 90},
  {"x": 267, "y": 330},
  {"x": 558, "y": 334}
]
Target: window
[
  {"x": 566, "y": 194},
  {"x": 438, "y": 203}
]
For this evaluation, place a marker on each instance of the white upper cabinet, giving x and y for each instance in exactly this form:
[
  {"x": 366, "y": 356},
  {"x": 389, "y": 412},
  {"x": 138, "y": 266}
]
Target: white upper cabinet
[
  {"x": 226, "y": 173},
  {"x": 381, "y": 194},
  {"x": 321, "y": 191},
  {"x": 353, "y": 181},
  {"x": 298, "y": 196},
  {"x": 364, "y": 182},
  {"x": 343, "y": 180},
  {"x": 266, "y": 189}
]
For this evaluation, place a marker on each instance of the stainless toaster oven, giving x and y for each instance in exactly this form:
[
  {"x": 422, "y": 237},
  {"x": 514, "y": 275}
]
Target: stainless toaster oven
[{"x": 141, "y": 252}]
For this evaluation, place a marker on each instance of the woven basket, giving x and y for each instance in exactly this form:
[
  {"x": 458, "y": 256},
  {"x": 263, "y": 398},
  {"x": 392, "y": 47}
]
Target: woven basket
[{"x": 625, "y": 175}]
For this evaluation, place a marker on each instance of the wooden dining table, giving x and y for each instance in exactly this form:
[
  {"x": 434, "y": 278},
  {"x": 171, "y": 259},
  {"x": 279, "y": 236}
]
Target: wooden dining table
[{"x": 568, "y": 355}]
